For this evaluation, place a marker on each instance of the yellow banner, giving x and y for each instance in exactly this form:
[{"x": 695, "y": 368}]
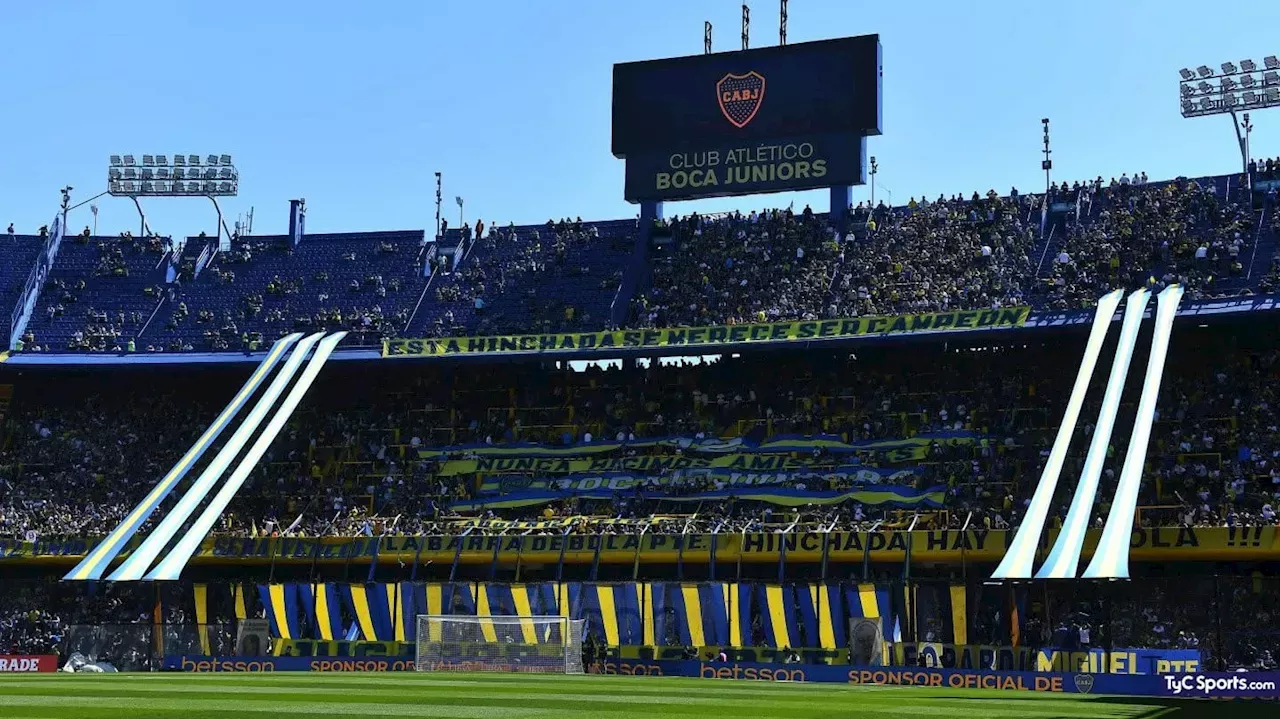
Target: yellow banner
[
  {"x": 695, "y": 337},
  {"x": 944, "y": 546}
]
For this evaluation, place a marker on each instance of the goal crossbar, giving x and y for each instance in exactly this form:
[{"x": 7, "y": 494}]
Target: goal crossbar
[{"x": 535, "y": 644}]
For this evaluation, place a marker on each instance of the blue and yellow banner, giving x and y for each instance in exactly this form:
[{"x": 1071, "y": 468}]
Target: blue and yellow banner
[
  {"x": 722, "y": 478},
  {"x": 886, "y": 495},
  {"x": 654, "y": 614},
  {"x": 200, "y": 595},
  {"x": 283, "y": 612},
  {"x": 323, "y": 609},
  {"x": 688, "y": 339},
  {"x": 869, "y": 601},
  {"x": 738, "y": 454},
  {"x": 640, "y": 619}
]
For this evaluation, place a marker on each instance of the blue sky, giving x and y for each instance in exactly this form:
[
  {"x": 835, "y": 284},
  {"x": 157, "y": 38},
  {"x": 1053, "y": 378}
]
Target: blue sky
[{"x": 354, "y": 106}]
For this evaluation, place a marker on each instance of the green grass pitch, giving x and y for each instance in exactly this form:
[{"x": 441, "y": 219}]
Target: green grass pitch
[{"x": 507, "y": 696}]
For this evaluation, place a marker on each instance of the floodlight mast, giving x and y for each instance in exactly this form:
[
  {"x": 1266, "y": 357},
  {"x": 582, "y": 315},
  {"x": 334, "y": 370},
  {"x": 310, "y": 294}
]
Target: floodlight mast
[
  {"x": 187, "y": 176},
  {"x": 1245, "y": 87}
]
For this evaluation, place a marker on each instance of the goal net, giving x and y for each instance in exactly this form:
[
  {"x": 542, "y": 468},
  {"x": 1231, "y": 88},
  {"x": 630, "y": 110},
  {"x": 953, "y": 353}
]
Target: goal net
[{"x": 545, "y": 645}]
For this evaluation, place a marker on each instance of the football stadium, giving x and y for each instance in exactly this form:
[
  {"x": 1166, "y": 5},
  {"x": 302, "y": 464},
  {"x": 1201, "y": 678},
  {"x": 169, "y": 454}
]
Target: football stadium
[{"x": 999, "y": 454}]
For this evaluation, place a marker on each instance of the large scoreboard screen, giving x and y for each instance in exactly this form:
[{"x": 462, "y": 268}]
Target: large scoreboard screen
[{"x": 765, "y": 120}]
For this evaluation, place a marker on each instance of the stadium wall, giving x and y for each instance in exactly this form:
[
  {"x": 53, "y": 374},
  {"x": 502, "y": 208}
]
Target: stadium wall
[
  {"x": 945, "y": 546},
  {"x": 1202, "y": 686}
]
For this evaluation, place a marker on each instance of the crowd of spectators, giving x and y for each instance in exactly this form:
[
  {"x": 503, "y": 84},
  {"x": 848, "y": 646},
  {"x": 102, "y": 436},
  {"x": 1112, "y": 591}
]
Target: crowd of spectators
[
  {"x": 361, "y": 287},
  {"x": 76, "y": 469},
  {"x": 100, "y": 296},
  {"x": 759, "y": 267},
  {"x": 1229, "y": 619},
  {"x": 29, "y": 631},
  {"x": 1268, "y": 169},
  {"x": 1058, "y": 251},
  {"x": 949, "y": 254},
  {"x": 956, "y": 253},
  {"x": 363, "y": 455},
  {"x": 113, "y": 624},
  {"x": 1150, "y": 234},
  {"x": 528, "y": 280}
]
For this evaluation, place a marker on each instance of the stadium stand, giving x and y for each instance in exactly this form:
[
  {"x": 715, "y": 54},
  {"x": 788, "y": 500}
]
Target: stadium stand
[
  {"x": 17, "y": 258},
  {"x": 263, "y": 288},
  {"x": 1268, "y": 246},
  {"x": 371, "y": 447},
  {"x": 1199, "y": 233},
  {"x": 100, "y": 293},
  {"x": 561, "y": 276},
  {"x": 921, "y": 435},
  {"x": 1054, "y": 252},
  {"x": 735, "y": 269},
  {"x": 947, "y": 254}
]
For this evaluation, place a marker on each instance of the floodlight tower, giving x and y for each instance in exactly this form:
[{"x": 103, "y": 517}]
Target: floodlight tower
[
  {"x": 187, "y": 176},
  {"x": 1245, "y": 87}
]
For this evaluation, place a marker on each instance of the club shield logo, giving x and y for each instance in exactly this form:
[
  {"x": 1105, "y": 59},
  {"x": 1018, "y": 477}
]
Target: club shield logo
[
  {"x": 515, "y": 484},
  {"x": 740, "y": 97}
]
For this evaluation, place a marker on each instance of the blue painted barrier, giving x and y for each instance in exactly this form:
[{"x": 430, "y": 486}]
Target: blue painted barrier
[{"x": 1203, "y": 686}]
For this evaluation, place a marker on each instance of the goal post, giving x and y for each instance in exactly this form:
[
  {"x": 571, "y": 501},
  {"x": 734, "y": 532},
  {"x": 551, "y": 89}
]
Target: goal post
[{"x": 539, "y": 645}]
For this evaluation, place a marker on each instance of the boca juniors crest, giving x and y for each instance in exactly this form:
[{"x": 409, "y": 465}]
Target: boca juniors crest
[{"x": 740, "y": 97}]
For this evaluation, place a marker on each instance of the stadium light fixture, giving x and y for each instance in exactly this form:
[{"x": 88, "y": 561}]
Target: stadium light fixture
[
  {"x": 1242, "y": 85},
  {"x": 189, "y": 177}
]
